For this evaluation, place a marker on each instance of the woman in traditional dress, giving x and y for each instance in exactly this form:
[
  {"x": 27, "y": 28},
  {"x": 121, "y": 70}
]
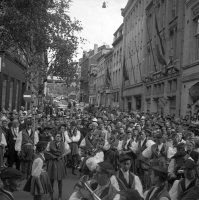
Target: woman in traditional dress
[
  {"x": 55, "y": 164},
  {"x": 39, "y": 183}
]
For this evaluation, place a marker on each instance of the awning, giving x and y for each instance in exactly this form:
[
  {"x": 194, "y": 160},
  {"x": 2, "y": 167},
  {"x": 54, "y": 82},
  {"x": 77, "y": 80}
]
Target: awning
[{"x": 194, "y": 92}]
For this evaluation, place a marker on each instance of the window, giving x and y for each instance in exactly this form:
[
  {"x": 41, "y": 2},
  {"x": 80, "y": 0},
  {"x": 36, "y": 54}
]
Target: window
[{"x": 197, "y": 38}]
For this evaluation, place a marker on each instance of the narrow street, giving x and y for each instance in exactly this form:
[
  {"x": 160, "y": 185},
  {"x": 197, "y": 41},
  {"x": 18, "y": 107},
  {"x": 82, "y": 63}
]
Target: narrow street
[{"x": 68, "y": 185}]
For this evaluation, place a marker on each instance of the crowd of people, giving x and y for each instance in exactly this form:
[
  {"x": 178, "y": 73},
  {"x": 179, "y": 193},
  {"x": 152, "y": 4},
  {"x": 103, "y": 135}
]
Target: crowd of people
[{"x": 118, "y": 155}]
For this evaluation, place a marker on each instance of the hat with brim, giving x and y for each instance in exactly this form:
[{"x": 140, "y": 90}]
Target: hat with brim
[
  {"x": 41, "y": 144},
  {"x": 11, "y": 173},
  {"x": 159, "y": 169},
  {"x": 106, "y": 167},
  {"x": 124, "y": 157},
  {"x": 189, "y": 164}
]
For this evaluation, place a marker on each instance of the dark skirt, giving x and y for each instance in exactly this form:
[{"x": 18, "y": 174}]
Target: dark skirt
[
  {"x": 74, "y": 148},
  {"x": 56, "y": 169},
  {"x": 39, "y": 185}
]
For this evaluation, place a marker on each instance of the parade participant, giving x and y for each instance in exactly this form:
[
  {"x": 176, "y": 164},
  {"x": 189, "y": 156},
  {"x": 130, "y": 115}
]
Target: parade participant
[
  {"x": 25, "y": 145},
  {"x": 13, "y": 134},
  {"x": 158, "y": 176},
  {"x": 4, "y": 126},
  {"x": 159, "y": 151},
  {"x": 176, "y": 163},
  {"x": 190, "y": 146},
  {"x": 3, "y": 144},
  {"x": 55, "y": 162},
  {"x": 39, "y": 182},
  {"x": 11, "y": 179},
  {"x": 142, "y": 161},
  {"x": 126, "y": 179},
  {"x": 129, "y": 195},
  {"x": 102, "y": 186},
  {"x": 182, "y": 187},
  {"x": 73, "y": 141},
  {"x": 22, "y": 124},
  {"x": 98, "y": 155}
]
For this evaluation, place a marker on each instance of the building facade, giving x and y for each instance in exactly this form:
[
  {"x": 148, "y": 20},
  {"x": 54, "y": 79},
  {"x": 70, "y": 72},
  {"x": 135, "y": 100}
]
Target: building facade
[
  {"x": 116, "y": 67},
  {"x": 190, "y": 69},
  {"x": 163, "y": 55},
  {"x": 12, "y": 82},
  {"x": 133, "y": 52}
]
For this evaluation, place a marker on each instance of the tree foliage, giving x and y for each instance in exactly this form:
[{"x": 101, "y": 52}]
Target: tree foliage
[{"x": 44, "y": 32}]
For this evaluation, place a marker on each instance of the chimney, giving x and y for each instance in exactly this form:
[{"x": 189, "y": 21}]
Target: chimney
[{"x": 95, "y": 48}]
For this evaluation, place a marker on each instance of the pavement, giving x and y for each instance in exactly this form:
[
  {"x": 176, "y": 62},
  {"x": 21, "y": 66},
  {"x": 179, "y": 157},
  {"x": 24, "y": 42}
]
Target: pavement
[{"x": 68, "y": 184}]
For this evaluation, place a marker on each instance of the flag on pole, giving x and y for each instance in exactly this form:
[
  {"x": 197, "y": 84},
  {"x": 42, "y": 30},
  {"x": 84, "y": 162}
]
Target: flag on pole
[
  {"x": 108, "y": 78},
  {"x": 159, "y": 36},
  {"x": 125, "y": 74},
  {"x": 160, "y": 57}
]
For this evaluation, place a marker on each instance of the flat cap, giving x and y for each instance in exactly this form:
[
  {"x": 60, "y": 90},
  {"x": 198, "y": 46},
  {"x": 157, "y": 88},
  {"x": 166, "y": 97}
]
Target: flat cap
[
  {"x": 124, "y": 157},
  {"x": 11, "y": 173},
  {"x": 106, "y": 167},
  {"x": 189, "y": 164}
]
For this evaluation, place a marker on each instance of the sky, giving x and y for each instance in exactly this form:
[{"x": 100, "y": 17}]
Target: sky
[{"x": 99, "y": 24}]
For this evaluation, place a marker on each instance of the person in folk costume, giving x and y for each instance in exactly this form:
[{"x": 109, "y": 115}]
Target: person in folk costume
[
  {"x": 111, "y": 155},
  {"x": 182, "y": 188},
  {"x": 158, "y": 191},
  {"x": 55, "y": 162},
  {"x": 25, "y": 145},
  {"x": 22, "y": 124},
  {"x": 130, "y": 195},
  {"x": 142, "y": 162},
  {"x": 3, "y": 144},
  {"x": 11, "y": 179},
  {"x": 13, "y": 155},
  {"x": 4, "y": 126},
  {"x": 39, "y": 182},
  {"x": 97, "y": 157},
  {"x": 102, "y": 185},
  {"x": 65, "y": 139},
  {"x": 129, "y": 147},
  {"x": 127, "y": 181},
  {"x": 176, "y": 164},
  {"x": 73, "y": 141},
  {"x": 159, "y": 152},
  {"x": 190, "y": 146}
]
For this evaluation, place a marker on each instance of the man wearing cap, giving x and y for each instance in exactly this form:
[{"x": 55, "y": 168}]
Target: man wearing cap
[
  {"x": 158, "y": 191},
  {"x": 11, "y": 179},
  {"x": 126, "y": 179},
  {"x": 25, "y": 145},
  {"x": 102, "y": 186},
  {"x": 183, "y": 186},
  {"x": 13, "y": 134}
]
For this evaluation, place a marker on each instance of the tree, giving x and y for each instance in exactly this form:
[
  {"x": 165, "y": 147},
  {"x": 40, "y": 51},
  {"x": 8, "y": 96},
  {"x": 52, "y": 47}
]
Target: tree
[{"x": 44, "y": 33}]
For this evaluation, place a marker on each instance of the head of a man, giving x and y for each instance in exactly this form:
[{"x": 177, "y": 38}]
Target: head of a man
[
  {"x": 11, "y": 179},
  {"x": 15, "y": 123},
  {"x": 104, "y": 172},
  {"x": 158, "y": 175},
  {"x": 189, "y": 169},
  {"x": 125, "y": 162}
]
